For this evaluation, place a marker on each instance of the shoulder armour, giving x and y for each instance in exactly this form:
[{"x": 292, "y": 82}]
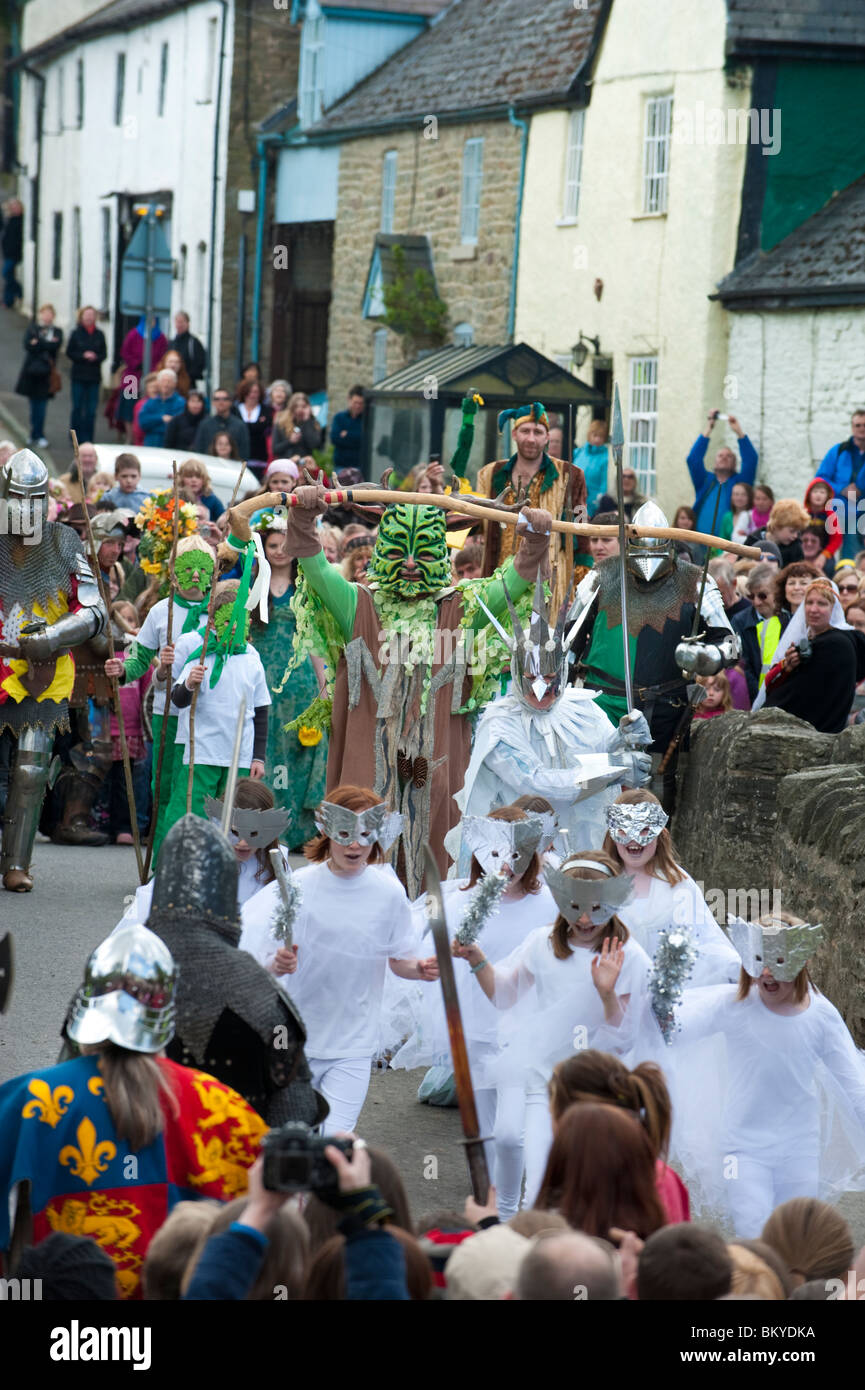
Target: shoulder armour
[{"x": 88, "y": 589}]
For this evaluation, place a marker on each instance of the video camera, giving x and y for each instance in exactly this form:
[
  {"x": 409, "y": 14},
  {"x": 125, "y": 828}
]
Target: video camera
[{"x": 294, "y": 1159}]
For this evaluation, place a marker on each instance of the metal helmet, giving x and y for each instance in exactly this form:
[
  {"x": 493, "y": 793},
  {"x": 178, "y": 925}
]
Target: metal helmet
[
  {"x": 539, "y": 656},
  {"x": 24, "y": 488},
  {"x": 128, "y": 993},
  {"x": 650, "y": 557},
  {"x": 196, "y": 876}
]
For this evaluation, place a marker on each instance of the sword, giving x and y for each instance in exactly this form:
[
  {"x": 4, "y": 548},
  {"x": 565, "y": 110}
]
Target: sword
[
  {"x": 618, "y": 443},
  {"x": 474, "y": 1145}
]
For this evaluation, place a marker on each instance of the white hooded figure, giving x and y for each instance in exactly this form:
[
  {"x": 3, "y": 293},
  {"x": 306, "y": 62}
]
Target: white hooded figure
[{"x": 550, "y": 739}]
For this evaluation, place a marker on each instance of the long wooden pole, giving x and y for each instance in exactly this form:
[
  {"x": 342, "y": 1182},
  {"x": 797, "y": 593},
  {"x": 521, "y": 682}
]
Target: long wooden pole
[
  {"x": 207, "y": 631},
  {"x": 115, "y": 685},
  {"x": 458, "y": 503},
  {"x": 172, "y": 583}
]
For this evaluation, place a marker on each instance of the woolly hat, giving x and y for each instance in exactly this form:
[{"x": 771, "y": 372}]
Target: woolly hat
[
  {"x": 524, "y": 414},
  {"x": 72, "y": 1268}
]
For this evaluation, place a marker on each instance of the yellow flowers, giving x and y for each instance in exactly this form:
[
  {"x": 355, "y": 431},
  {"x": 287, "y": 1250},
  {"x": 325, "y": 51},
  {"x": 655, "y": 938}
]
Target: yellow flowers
[{"x": 308, "y": 736}]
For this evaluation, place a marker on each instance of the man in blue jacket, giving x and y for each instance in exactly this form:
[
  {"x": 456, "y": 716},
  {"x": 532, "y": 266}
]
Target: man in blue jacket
[
  {"x": 844, "y": 463},
  {"x": 724, "y": 474}
]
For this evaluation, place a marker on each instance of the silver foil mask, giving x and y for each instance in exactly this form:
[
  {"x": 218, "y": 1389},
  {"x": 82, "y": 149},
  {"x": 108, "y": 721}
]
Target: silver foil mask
[
  {"x": 499, "y": 844},
  {"x": 374, "y": 825},
  {"x": 636, "y": 824},
  {"x": 598, "y": 899},
  {"x": 781, "y": 950},
  {"x": 256, "y": 828}
]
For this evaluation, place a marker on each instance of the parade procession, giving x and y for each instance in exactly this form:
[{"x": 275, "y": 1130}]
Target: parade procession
[{"x": 431, "y": 777}]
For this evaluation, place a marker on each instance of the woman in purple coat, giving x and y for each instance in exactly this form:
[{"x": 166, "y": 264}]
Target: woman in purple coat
[{"x": 123, "y": 401}]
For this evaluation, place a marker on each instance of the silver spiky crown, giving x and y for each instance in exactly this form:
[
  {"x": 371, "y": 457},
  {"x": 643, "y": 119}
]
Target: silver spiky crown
[{"x": 542, "y": 651}]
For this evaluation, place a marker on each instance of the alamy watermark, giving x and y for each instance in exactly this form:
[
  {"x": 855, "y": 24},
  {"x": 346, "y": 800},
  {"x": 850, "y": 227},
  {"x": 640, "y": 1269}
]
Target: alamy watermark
[
  {"x": 702, "y": 125},
  {"x": 16, "y": 521}
]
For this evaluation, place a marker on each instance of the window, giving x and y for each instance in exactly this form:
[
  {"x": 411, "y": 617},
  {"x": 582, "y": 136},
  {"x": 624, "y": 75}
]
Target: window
[
  {"x": 209, "y": 61},
  {"x": 163, "y": 79},
  {"x": 79, "y": 93},
  {"x": 388, "y": 190},
  {"x": 119, "y": 88},
  {"x": 656, "y": 153},
  {"x": 473, "y": 158},
  {"x": 311, "y": 78},
  {"x": 464, "y": 335},
  {"x": 573, "y": 166},
  {"x": 379, "y": 354},
  {"x": 200, "y": 282},
  {"x": 57, "y": 247},
  {"x": 643, "y": 421},
  {"x": 75, "y": 281},
  {"x": 105, "y": 214},
  {"x": 61, "y": 96}
]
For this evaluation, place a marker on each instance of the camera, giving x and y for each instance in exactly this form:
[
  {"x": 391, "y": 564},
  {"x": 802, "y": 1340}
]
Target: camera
[
  {"x": 804, "y": 648},
  {"x": 294, "y": 1159}
]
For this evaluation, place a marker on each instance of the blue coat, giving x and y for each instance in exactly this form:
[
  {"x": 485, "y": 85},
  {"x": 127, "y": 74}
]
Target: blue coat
[
  {"x": 150, "y": 415},
  {"x": 706, "y": 484},
  {"x": 592, "y": 458},
  {"x": 843, "y": 464}
]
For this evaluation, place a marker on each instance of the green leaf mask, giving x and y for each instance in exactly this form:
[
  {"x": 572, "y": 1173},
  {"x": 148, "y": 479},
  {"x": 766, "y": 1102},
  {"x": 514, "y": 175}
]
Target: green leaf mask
[
  {"x": 194, "y": 570},
  {"x": 417, "y": 531}
]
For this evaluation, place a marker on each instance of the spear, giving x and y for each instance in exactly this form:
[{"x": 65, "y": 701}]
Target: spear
[
  {"x": 618, "y": 443},
  {"x": 476, "y": 507},
  {"x": 168, "y": 634},
  {"x": 115, "y": 687},
  {"x": 207, "y": 631}
]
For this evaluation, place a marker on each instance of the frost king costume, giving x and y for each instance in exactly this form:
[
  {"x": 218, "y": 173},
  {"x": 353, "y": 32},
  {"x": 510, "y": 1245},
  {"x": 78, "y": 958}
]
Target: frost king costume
[{"x": 49, "y": 602}]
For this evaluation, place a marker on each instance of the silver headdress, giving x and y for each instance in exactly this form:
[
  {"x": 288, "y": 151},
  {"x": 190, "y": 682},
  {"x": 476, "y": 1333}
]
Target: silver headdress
[
  {"x": 650, "y": 557},
  {"x": 600, "y": 899},
  {"x": 500, "y": 844},
  {"x": 539, "y": 657},
  {"x": 257, "y": 828},
  {"x": 781, "y": 949},
  {"x": 637, "y": 822},
  {"x": 375, "y": 824},
  {"x": 128, "y": 993}
]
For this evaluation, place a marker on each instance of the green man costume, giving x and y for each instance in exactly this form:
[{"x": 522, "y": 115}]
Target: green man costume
[{"x": 410, "y": 658}]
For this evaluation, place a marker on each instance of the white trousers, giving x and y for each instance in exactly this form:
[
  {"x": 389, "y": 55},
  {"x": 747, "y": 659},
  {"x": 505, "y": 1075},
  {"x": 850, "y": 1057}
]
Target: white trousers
[
  {"x": 344, "y": 1082},
  {"x": 759, "y": 1187}
]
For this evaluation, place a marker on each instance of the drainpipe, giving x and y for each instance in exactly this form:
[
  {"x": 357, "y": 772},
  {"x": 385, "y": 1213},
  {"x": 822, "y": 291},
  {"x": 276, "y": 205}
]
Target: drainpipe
[
  {"x": 260, "y": 213},
  {"x": 211, "y": 289},
  {"x": 37, "y": 182},
  {"x": 512, "y": 305}
]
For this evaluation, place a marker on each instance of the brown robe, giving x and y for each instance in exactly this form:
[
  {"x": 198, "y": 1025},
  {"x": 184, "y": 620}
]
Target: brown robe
[
  {"x": 416, "y": 763},
  {"x": 500, "y": 541}
]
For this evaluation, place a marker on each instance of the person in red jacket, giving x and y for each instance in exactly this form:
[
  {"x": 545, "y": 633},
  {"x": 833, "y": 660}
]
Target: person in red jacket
[{"x": 818, "y": 495}]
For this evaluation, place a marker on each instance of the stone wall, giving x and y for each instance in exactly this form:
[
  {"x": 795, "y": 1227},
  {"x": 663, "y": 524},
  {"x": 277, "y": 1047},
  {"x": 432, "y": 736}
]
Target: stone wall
[
  {"x": 474, "y": 282},
  {"x": 767, "y": 805},
  {"x": 263, "y": 78}
]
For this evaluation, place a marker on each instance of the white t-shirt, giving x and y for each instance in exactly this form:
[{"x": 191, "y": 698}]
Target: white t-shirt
[
  {"x": 154, "y": 634},
  {"x": 683, "y": 905},
  {"x": 346, "y": 930},
  {"x": 216, "y": 709}
]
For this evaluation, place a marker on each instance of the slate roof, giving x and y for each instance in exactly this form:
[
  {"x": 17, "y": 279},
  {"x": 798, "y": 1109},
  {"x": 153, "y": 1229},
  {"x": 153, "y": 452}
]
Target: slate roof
[
  {"x": 795, "y": 28},
  {"x": 478, "y": 56},
  {"x": 822, "y": 262},
  {"x": 117, "y": 15},
  {"x": 507, "y": 372}
]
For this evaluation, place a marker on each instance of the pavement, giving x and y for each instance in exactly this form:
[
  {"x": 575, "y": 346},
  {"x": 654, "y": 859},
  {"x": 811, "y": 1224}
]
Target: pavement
[{"x": 15, "y": 410}]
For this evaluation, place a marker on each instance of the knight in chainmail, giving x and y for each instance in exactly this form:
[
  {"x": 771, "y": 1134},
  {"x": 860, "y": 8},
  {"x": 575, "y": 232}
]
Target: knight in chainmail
[
  {"x": 662, "y": 595},
  {"x": 232, "y": 1020},
  {"x": 49, "y": 602}
]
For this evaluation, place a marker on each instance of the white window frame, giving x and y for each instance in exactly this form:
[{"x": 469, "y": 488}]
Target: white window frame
[
  {"x": 472, "y": 181},
  {"x": 79, "y": 94},
  {"x": 388, "y": 190},
  {"x": 379, "y": 355},
  {"x": 211, "y": 41},
  {"x": 643, "y": 421},
  {"x": 573, "y": 166},
  {"x": 657, "y": 147},
  {"x": 310, "y": 83}
]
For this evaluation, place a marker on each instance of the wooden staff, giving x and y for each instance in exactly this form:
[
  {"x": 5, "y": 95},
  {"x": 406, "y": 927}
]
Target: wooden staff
[
  {"x": 207, "y": 631},
  {"x": 459, "y": 503},
  {"x": 115, "y": 684},
  {"x": 157, "y": 781}
]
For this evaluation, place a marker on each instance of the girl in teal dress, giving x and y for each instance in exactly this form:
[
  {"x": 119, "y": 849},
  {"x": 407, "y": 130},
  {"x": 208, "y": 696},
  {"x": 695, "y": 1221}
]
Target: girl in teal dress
[{"x": 294, "y": 770}]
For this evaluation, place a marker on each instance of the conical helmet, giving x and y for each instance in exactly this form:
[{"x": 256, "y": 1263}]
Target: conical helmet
[
  {"x": 650, "y": 557},
  {"x": 128, "y": 993},
  {"x": 196, "y": 875}
]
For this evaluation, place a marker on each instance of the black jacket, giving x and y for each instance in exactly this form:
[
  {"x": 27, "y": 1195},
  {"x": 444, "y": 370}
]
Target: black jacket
[
  {"x": 789, "y": 553},
  {"x": 311, "y": 437},
  {"x": 192, "y": 351},
  {"x": 821, "y": 689},
  {"x": 259, "y": 431},
  {"x": 80, "y": 341},
  {"x": 181, "y": 430},
  {"x": 41, "y": 346},
  {"x": 13, "y": 239},
  {"x": 746, "y": 624}
]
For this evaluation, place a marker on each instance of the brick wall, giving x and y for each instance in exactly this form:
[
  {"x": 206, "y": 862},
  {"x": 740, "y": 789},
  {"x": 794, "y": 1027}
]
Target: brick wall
[
  {"x": 263, "y": 78},
  {"x": 427, "y": 200}
]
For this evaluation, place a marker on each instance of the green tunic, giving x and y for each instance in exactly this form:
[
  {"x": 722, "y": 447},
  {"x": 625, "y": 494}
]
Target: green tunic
[{"x": 295, "y": 775}]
